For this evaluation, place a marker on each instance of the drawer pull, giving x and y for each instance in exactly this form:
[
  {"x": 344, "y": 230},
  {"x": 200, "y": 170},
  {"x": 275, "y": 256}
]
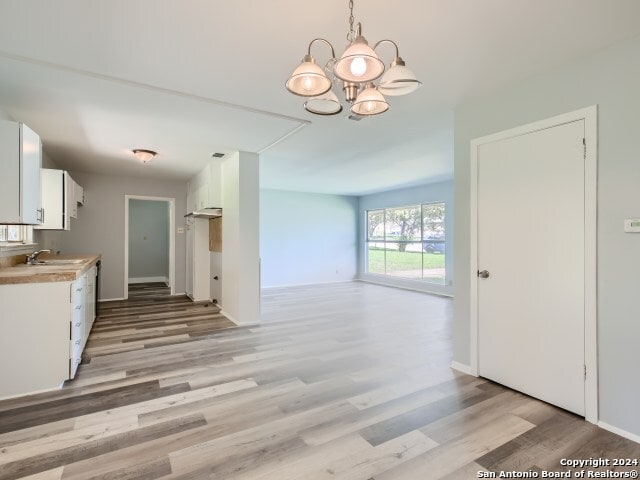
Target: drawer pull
[
  {"x": 79, "y": 289},
  {"x": 78, "y": 307},
  {"x": 78, "y": 324},
  {"x": 77, "y": 342}
]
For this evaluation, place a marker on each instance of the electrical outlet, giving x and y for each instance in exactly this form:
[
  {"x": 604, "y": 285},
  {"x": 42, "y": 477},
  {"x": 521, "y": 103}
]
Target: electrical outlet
[{"x": 180, "y": 230}]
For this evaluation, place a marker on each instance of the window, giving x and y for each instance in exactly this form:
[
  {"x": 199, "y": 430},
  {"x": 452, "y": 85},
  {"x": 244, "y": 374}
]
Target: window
[
  {"x": 407, "y": 242},
  {"x": 11, "y": 234}
]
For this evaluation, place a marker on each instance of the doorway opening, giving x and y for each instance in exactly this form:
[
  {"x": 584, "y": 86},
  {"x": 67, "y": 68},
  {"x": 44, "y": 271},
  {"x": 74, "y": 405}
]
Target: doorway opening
[{"x": 149, "y": 244}]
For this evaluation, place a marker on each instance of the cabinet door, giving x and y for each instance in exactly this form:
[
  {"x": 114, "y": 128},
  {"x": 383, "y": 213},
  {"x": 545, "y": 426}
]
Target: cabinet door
[
  {"x": 10, "y": 167},
  {"x": 58, "y": 199},
  {"x": 52, "y": 199},
  {"x": 70, "y": 196},
  {"x": 90, "y": 301},
  {"x": 79, "y": 194},
  {"x": 31, "y": 162},
  {"x": 20, "y": 162},
  {"x": 77, "y": 328}
]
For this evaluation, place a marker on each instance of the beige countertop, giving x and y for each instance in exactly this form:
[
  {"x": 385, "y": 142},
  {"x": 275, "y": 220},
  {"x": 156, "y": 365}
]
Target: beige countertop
[{"x": 48, "y": 272}]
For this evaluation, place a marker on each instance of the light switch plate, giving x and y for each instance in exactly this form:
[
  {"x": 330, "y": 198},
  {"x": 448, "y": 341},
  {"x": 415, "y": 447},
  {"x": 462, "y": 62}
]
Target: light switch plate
[{"x": 632, "y": 225}]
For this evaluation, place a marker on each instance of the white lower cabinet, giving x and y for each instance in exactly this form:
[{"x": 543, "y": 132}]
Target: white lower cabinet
[
  {"x": 78, "y": 339},
  {"x": 45, "y": 326},
  {"x": 83, "y": 313}
]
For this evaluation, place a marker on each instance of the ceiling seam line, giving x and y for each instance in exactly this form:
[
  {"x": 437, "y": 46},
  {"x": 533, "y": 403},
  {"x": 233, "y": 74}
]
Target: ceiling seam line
[
  {"x": 146, "y": 86},
  {"x": 283, "y": 137}
]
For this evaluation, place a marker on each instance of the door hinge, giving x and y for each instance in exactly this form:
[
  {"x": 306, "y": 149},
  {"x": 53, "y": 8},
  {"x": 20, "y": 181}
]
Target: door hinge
[
  {"x": 585, "y": 372},
  {"x": 584, "y": 148}
]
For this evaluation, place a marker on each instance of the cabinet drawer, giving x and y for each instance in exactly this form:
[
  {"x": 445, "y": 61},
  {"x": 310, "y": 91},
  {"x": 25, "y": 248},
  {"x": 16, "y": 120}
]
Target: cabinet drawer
[
  {"x": 77, "y": 328},
  {"x": 77, "y": 291},
  {"x": 76, "y": 347},
  {"x": 73, "y": 366}
]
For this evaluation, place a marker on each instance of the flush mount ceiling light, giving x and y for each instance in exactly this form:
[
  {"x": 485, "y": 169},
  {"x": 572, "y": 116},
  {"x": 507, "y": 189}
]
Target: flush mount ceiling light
[
  {"x": 144, "y": 155},
  {"x": 354, "y": 72}
]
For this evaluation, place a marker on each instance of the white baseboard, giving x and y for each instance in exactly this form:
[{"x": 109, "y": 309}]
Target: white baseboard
[
  {"x": 462, "y": 368},
  {"x": 35, "y": 392},
  {"x": 149, "y": 280},
  {"x": 199, "y": 300},
  {"x": 229, "y": 317},
  {"x": 413, "y": 288},
  {"x": 240, "y": 324},
  {"x": 268, "y": 287},
  {"x": 619, "y": 431},
  {"x": 122, "y": 298}
]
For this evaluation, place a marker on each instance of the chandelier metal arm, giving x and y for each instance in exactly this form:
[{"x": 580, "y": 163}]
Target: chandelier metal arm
[
  {"x": 333, "y": 53},
  {"x": 391, "y": 42}
]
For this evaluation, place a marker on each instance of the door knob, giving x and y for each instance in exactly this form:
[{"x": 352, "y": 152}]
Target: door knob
[{"x": 483, "y": 274}]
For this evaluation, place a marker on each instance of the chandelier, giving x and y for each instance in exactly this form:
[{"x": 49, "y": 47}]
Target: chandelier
[{"x": 355, "y": 72}]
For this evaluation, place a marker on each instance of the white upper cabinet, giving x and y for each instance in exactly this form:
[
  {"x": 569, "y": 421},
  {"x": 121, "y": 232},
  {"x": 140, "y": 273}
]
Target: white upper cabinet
[
  {"x": 79, "y": 194},
  {"x": 70, "y": 195},
  {"x": 59, "y": 199},
  {"x": 20, "y": 162}
]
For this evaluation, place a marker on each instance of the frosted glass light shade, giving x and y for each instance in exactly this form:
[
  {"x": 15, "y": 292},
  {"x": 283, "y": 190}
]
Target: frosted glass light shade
[
  {"x": 359, "y": 63},
  {"x": 370, "y": 102},
  {"x": 308, "y": 79},
  {"x": 144, "y": 155},
  {"x": 398, "y": 80},
  {"x": 325, "y": 104}
]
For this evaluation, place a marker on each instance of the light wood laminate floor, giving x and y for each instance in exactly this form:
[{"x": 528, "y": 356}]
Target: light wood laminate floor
[{"x": 346, "y": 381}]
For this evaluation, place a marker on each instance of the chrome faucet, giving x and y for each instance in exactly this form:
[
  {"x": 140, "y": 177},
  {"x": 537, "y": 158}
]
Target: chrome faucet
[{"x": 31, "y": 259}]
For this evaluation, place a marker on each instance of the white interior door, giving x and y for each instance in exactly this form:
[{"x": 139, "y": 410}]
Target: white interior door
[{"x": 531, "y": 241}]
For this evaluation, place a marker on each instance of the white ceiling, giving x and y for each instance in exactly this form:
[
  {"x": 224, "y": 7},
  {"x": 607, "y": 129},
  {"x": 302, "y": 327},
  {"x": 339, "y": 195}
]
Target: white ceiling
[{"x": 193, "y": 77}]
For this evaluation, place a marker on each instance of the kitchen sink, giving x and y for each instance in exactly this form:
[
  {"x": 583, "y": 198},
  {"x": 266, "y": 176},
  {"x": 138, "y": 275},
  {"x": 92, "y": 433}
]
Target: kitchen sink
[{"x": 58, "y": 261}]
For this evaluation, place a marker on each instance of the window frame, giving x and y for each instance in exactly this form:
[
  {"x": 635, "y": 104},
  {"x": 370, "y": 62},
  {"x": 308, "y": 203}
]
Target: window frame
[
  {"x": 23, "y": 235},
  {"x": 369, "y": 239}
]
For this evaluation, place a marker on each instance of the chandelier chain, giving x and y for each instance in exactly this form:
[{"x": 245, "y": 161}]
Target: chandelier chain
[{"x": 351, "y": 35}]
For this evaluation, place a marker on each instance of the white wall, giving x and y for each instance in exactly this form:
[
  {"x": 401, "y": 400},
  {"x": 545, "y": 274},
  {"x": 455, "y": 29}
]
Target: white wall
[
  {"x": 148, "y": 239},
  {"x": 240, "y": 238},
  {"x": 307, "y": 238},
  {"x": 430, "y": 193},
  {"x": 99, "y": 227},
  {"x": 609, "y": 78}
]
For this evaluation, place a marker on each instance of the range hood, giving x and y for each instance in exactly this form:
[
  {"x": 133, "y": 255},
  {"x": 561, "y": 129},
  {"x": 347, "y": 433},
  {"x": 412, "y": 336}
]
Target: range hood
[{"x": 209, "y": 212}]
